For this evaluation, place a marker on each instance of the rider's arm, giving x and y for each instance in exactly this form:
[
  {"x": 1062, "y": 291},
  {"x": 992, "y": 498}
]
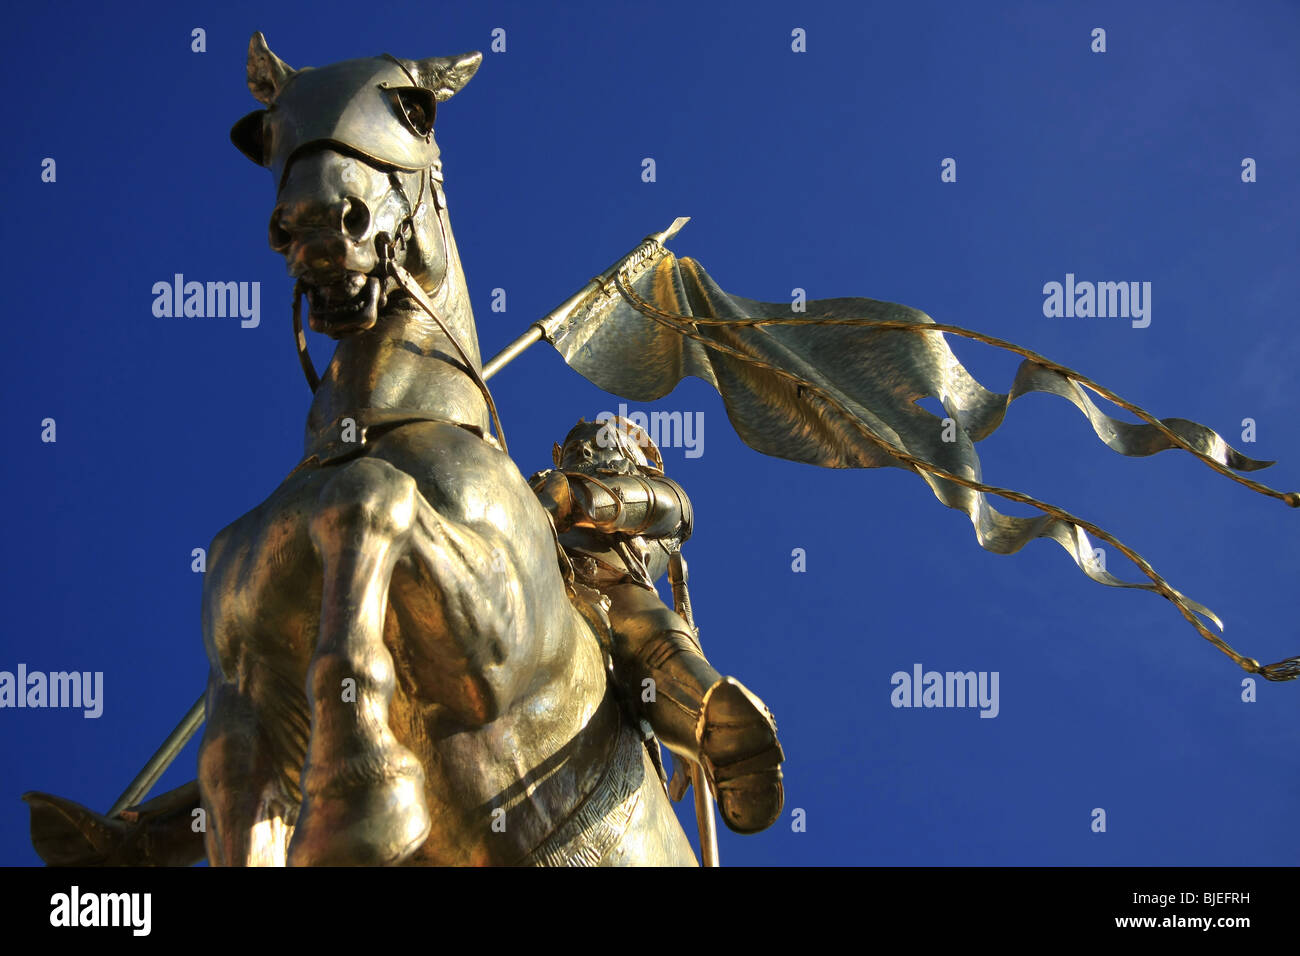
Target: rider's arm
[
  {"x": 553, "y": 491},
  {"x": 647, "y": 505}
]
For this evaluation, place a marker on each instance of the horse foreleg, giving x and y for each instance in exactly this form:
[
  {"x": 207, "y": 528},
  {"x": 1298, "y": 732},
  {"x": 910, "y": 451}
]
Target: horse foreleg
[
  {"x": 250, "y": 815},
  {"x": 363, "y": 792}
]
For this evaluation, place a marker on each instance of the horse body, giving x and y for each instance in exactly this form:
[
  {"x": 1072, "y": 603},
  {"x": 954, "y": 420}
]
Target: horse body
[
  {"x": 527, "y": 726},
  {"x": 397, "y": 672}
]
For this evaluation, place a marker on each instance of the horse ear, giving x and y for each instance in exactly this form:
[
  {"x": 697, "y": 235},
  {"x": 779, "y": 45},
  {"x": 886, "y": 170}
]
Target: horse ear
[
  {"x": 444, "y": 75},
  {"x": 266, "y": 71}
]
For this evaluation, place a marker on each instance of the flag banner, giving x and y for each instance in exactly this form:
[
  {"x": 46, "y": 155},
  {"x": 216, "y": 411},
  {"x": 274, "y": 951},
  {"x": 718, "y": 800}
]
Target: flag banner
[{"x": 837, "y": 385}]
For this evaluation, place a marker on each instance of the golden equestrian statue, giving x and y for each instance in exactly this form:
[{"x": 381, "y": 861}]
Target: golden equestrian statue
[{"x": 419, "y": 657}]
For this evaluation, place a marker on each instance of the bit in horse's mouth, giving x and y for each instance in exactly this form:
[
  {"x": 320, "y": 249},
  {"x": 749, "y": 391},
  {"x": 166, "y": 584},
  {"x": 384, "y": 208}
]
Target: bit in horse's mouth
[{"x": 349, "y": 305}]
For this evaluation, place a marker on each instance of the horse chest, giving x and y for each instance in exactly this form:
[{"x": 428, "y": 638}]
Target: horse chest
[{"x": 262, "y": 594}]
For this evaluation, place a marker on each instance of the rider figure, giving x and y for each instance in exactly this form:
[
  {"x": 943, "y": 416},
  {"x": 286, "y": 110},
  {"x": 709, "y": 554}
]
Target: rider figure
[{"x": 619, "y": 518}]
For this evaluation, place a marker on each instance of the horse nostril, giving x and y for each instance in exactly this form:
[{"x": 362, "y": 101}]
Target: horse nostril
[
  {"x": 356, "y": 218},
  {"x": 278, "y": 236}
]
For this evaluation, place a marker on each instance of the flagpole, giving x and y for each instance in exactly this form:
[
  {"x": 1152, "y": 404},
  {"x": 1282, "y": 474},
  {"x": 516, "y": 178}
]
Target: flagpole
[
  {"x": 704, "y": 819},
  {"x": 704, "y": 816},
  {"x": 548, "y": 325},
  {"x": 513, "y": 350}
]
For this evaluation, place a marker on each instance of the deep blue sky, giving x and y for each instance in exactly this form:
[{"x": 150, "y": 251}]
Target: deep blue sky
[{"x": 817, "y": 170}]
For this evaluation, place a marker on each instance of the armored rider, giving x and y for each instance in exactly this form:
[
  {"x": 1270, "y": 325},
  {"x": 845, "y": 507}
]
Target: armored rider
[{"x": 619, "y": 518}]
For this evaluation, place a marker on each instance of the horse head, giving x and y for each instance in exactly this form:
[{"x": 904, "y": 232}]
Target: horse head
[{"x": 358, "y": 176}]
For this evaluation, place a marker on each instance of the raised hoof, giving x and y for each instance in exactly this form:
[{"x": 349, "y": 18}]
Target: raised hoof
[
  {"x": 742, "y": 757},
  {"x": 368, "y": 822}
]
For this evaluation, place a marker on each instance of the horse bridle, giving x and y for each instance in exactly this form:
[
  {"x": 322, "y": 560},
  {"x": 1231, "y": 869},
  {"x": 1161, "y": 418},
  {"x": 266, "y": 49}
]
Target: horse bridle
[{"x": 388, "y": 249}]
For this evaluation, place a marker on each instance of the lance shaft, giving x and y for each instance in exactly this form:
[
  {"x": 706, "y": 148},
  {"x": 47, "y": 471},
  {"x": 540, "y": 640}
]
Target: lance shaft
[{"x": 159, "y": 762}]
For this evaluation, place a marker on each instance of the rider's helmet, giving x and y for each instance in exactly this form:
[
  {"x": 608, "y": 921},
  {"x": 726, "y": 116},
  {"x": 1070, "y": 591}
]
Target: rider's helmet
[{"x": 611, "y": 445}]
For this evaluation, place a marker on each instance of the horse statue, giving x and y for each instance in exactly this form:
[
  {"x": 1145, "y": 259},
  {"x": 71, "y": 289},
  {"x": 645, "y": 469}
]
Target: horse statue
[{"x": 398, "y": 672}]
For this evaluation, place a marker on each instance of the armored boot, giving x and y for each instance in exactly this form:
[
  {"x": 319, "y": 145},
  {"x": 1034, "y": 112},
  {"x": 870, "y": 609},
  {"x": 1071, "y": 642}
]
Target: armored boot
[
  {"x": 741, "y": 756},
  {"x": 716, "y": 721}
]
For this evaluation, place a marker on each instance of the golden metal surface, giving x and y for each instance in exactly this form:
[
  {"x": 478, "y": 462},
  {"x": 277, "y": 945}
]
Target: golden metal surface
[
  {"x": 418, "y": 657},
  {"x": 839, "y": 384},
  {"x": 398, "y": 673},
  {"x": 394, "y": 682}
]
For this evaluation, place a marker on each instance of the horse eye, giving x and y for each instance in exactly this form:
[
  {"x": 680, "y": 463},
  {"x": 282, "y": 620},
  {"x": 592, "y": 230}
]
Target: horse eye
[
  {"x": 416, "y": 106},
  {"x": 249, "y": 136}
]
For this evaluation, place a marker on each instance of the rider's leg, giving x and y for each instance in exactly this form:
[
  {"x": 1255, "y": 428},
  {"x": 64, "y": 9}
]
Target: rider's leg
[{"x": 696, "y": 711}]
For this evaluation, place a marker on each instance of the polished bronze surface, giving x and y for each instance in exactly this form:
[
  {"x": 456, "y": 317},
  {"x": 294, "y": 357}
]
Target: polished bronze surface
[
  {"x": 622, "y": 523},
  {"x": 418, "y": 657},
  {"x": 838, "y": 385},
  {"x": 398, "y": 672}
]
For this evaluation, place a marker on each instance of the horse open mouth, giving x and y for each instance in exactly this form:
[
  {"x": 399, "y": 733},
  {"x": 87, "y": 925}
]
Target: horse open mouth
[{"x": 347, "y": 306}]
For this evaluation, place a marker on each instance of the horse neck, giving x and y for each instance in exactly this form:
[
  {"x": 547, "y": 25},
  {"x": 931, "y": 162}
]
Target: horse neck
[{"x": 406, "y": 362}]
